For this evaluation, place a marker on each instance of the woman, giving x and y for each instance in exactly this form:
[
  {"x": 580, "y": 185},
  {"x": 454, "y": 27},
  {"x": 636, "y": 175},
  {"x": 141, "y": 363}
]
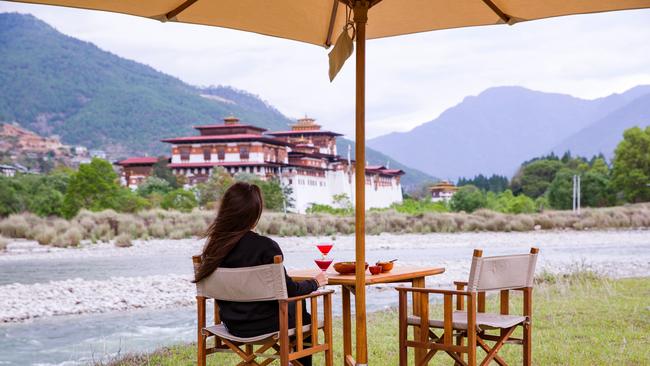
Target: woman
[{"x": 231, "y": 243}]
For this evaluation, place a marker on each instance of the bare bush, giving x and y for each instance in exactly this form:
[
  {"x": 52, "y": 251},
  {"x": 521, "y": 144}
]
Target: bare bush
[{"x": 123, "y": 241}]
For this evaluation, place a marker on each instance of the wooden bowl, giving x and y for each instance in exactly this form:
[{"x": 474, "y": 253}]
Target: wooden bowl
[
  {"x": 385, "y": 266},
  {"x": 375, "y": 270},
  {"x": 346, "y": 267}
]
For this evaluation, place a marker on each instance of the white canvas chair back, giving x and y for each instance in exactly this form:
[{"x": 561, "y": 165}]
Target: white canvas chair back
[
  {"x": 502, "y": 272},
  {"x": 260, "y": 283}
]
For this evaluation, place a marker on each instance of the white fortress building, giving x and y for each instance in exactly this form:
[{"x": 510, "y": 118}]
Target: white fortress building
[{"x": 304, "y": 158}]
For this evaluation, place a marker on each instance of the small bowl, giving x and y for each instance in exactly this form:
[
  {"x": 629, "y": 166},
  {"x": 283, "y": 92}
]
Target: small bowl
[
  {"x": 346, "y": 267},
  {"x": 385, "y": 266},
  {"x": 375, "y": 270}
]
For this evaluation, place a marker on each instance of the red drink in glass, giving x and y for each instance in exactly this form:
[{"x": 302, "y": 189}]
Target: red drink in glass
[
  {"x": 323, "y": 264},
  {"x": 324, "y": 248}
]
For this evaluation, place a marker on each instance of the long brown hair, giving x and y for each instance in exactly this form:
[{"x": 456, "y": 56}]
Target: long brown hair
[{"x": 239, "y": 211}]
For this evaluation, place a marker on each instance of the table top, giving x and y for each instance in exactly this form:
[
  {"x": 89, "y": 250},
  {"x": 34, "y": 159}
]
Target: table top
[{"x": 398, "y": 274}]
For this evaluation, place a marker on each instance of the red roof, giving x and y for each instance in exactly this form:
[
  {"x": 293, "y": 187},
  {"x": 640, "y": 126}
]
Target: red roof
[
  {"x": 223, "y": 163},
  {"x": 233, "y": 137},
  {"x": 140, "y": 160},
  {"x": 237, "y": 125},
  {"x": 383, "y": 170},
  {"x": 304, "y": 132}
]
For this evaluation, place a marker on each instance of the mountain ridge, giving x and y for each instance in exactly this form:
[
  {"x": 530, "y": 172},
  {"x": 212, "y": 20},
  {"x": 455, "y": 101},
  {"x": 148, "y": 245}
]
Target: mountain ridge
[
  {"x": 57, "y": 84},
  {"x": 496, "y": 130}
]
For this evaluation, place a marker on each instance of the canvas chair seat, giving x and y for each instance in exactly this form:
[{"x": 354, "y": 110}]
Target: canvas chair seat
[
  {"x": 483, "y": 321},
  {"x": 220, "y": 330}
]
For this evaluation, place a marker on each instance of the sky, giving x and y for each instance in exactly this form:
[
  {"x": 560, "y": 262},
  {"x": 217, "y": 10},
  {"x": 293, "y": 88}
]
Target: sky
[{"x": 410, "y": 79}]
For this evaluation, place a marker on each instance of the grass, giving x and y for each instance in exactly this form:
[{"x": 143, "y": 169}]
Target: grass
[
  {"x": 579, "y": 319},
  {"x": 106, "y": 226}
]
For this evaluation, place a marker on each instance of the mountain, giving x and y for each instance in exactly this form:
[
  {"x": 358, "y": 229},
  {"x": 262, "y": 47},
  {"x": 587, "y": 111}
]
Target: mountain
[
  {"x": 54, "y": 84},
  {"x": 500, "y": 128},
  {"x": 604, "y": 135}
]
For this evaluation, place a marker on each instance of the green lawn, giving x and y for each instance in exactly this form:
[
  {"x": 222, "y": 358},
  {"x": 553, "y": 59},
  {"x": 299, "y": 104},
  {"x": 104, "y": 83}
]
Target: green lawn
[{"x": 578, "y": 320}]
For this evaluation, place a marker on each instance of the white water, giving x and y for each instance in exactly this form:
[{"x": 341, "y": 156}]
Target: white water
[{"x": 76, "y": 306}]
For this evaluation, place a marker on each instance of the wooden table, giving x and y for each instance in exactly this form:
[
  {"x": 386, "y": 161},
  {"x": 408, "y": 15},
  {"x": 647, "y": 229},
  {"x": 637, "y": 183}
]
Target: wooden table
[{"x": 414, "y": 275}]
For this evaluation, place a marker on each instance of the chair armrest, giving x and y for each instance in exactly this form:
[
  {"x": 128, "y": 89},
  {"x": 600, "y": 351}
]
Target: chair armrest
[
  {"x": 461, "y": 283},
  {"x": 432, "y": 291},
  {"x": 308, "y": 296}
]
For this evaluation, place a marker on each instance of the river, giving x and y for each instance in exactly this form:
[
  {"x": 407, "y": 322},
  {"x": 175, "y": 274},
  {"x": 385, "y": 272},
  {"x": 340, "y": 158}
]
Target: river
[{"x": 77, "y": 306}]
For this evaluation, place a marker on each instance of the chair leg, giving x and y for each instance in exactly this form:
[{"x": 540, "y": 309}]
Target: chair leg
[
  {"x": 528, "y": 347},
  {"x": 201, "y": 353},
  {"x": 403, "y": 331},
  {"x": 459, "y": 342}
]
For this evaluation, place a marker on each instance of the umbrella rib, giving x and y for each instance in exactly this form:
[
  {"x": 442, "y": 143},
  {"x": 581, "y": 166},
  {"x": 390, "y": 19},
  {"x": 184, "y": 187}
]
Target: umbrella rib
[
  {"x": 174, "y": 13},
  {"x": 505, "y": 17},
  {"x": 330, "y": 29}
]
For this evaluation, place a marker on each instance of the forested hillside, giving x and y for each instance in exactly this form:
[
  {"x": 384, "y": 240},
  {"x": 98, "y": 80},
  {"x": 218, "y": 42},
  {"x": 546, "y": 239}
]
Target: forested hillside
[{"x": 56, "y": 84}]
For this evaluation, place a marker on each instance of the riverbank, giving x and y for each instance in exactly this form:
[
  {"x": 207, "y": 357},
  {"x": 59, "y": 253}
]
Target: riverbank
[
  {"x": 121, "y": 229},
  {"x": 578, "y": 320},
  {"x": 155, "y": 274}
]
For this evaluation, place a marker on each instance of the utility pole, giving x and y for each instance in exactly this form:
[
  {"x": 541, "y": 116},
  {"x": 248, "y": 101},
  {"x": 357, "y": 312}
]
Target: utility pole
[{"x": 576, "y": 193}]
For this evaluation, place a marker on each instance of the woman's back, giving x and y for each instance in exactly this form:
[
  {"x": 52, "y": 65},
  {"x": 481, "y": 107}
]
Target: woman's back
[{"x": 248, "y": 319}]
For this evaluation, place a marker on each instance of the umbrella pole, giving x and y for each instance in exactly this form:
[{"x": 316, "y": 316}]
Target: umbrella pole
[{"x": 360, "y": 18}]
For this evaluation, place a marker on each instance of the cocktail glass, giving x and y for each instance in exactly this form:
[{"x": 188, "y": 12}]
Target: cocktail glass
[{"x": 323, "y": 264}]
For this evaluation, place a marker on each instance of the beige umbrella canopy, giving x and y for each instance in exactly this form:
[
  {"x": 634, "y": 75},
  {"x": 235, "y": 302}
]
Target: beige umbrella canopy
[{"x": 319, "y": 22}]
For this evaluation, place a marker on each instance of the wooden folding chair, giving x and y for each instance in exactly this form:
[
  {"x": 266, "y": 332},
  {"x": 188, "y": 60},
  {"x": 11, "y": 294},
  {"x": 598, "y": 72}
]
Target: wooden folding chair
[
  {"x": 261, "y": 283},
  {"x": 502, "y": 273}
]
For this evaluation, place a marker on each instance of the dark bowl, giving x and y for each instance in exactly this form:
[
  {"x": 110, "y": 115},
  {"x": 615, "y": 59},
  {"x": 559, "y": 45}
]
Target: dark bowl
[{"x": 346, "y": 267}]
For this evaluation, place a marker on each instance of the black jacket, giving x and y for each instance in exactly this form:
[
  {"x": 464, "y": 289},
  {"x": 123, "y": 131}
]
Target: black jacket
[{"x": 249, "y": 319}]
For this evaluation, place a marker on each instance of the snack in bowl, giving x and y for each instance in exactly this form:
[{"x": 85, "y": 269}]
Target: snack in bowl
[
  {"x": 346, "y": 267},
  {"x": 386, "y": 266},
  {"x": 375, "y": 270}
]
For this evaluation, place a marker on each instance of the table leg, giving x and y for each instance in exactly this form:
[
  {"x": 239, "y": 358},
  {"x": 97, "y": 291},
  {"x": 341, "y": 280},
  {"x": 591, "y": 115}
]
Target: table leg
[
  {"x": 347, "y": 324},
  {"x": 419, "y": 352}
]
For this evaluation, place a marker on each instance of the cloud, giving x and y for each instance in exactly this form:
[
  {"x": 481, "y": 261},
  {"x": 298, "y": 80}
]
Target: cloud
[{"x": 410, "y": 79}]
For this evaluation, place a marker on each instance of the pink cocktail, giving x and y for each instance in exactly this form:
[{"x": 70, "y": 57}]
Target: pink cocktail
[
  {"x": 323, "y": 264},
  {"x": 324, "y": 248}
]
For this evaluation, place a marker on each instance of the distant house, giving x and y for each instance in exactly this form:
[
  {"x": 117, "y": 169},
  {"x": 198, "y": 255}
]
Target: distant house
[
  {"x": 135, "y": 170},
  {"x": 442, "y": 191},
  {"x": 7, "y": 170}
]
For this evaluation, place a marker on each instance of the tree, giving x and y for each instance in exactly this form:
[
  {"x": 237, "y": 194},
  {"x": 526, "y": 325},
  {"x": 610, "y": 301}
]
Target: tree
[
  {"x": 468, "y": 199},
  {"x": 179, "y": 199},
  {"x": 160, "y": 170},
  {"x": 535, "y": 178},
  {"x": 272, "y": 193},
  {"x": 47, "y": 202},
  {"x": 596, "y": 190},
  {"x": 560, "y": 192},
  {"x": 94, "y": 186},
  {"x": 215, "y": 187},
  {"x": 9, "y": 201},
  {"x": 631, "y": 165},
  {"x": 153, "y": 184}
]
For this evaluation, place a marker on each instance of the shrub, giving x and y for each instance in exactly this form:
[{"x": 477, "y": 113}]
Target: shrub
[
  {"x": 123, "y": 241},
  {"x": 180, "y": 200},
  {"x": 4, "y": 243},
  {"x": 15, "y": 226},
  {"x": 71, "y": 238},
  {"x": 45, "y": 235},
  {"x": 468, "y": 199}
]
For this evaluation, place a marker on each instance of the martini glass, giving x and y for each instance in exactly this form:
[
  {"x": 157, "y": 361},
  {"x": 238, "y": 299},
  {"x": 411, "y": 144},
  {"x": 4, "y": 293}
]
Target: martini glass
[
  {"x": 323, "y": 264},
  {"x": 324, "y": 248}
]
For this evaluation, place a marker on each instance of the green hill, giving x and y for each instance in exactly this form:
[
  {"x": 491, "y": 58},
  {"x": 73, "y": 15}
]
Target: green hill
[{"x": 56, "y": 84}]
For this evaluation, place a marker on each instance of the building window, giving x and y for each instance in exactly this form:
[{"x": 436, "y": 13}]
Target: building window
[
  {"x": 243, "y": 152},
  {"x": 207, "y": 154},
  {"x": 185, "y": 152}
]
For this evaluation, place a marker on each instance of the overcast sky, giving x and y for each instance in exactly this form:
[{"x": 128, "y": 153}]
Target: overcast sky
[{"x": 410, "y": 79}]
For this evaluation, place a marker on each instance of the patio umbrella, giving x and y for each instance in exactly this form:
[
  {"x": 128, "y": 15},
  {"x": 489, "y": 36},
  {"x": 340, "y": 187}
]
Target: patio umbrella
[{"x": 319, "y": 21}]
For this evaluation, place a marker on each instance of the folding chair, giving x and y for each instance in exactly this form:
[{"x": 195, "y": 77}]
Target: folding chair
[
  {"x": 261, "y": 283},
  {"x": 502, "y": 273}
]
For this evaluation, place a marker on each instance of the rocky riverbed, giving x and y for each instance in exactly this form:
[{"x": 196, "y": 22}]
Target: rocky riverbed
[{"x": 43, "y": 282}]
